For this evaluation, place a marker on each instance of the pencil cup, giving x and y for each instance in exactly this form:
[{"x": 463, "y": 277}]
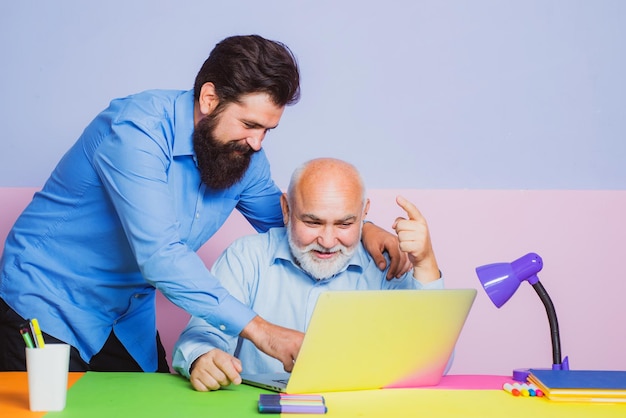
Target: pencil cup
[{"x": 47, "y": 370}]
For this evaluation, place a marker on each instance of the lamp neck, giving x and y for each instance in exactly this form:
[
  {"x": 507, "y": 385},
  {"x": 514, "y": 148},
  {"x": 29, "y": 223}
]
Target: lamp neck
[
  {"x": 527, "y": 267},
  {"x": 554, "y": 325}
]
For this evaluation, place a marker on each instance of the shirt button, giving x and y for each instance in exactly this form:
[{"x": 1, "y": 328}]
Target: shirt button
[
  {"x": 223, "y": 327},
  {"x": 197, "y": 215}
]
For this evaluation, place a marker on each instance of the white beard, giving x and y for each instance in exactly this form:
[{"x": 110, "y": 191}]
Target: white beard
[{"x": 316, "y": 267}]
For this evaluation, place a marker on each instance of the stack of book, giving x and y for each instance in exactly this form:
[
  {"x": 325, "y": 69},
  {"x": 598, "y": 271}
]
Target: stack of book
[{"x": 580, "y": 385}]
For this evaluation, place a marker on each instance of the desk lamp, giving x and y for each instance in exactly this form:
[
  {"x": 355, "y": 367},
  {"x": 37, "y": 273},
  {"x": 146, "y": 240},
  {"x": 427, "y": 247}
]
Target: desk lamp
[{"x": 501, "y": 280}]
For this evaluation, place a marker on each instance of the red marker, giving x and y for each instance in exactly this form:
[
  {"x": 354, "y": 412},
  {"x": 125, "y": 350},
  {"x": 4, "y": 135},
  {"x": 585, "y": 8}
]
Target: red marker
[{"x": 511, "y": 389}]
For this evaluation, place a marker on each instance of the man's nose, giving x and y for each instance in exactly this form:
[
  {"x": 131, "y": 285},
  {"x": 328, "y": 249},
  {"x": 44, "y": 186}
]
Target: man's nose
[
  {"x": 327, "y": 237},
  {"x": 255, "y": 140}
]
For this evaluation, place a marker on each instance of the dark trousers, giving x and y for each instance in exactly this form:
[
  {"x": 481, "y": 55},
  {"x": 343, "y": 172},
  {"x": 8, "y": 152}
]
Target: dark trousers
[{"x": 113, "y": 357}]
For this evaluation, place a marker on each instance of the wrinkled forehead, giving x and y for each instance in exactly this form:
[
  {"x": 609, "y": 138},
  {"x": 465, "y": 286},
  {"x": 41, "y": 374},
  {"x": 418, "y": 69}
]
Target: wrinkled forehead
[{"x": 329, "y": 200}]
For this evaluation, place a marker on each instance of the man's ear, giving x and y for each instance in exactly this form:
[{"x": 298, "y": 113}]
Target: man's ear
[
  {"x": 366, "y": 208},
  {"x": 284, "y": 204},
  {"x": 208, "y": 100}
]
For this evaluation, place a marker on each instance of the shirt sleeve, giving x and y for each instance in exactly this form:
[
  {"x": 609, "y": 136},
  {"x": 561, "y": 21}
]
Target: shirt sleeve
[
  {"x": 198, "y": 338},
  {"x": 235, "y": 267},
  {"x": 407, "y": 281},
  {"x": 260, "y": 202},
  {"x": 133, "y": 163}
]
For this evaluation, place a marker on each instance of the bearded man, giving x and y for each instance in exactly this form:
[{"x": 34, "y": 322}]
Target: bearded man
[
  {"x": 280, "y": 274},
  {"x": 149, "y": 181}
]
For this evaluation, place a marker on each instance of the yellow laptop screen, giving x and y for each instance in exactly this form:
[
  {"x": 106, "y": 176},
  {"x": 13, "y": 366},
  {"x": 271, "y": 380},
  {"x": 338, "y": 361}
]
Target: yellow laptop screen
[{"x": 371, "y": 339}]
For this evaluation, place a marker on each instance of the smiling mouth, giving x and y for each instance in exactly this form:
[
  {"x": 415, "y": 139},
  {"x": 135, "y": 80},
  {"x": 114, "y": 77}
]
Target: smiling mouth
[
  {"x": 324, "y": 255},
  {"x": 242, "y": 151}
]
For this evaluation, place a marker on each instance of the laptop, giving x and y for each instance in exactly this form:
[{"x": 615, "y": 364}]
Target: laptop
[{"x": 370, "y": 339}]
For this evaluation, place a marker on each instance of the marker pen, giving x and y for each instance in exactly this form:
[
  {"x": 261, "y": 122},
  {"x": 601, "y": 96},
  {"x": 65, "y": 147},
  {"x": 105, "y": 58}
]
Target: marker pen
[
  {"x": 512, "y": 389},
  {"x": 39, "y": 342},
  {"x": 26, "y": 336}
]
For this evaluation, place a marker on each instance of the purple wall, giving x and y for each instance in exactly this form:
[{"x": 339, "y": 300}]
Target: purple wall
[{"x": 454, "y": 94}]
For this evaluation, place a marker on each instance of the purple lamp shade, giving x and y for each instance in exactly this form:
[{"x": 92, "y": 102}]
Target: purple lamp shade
[{"x": 501, "y": 280}]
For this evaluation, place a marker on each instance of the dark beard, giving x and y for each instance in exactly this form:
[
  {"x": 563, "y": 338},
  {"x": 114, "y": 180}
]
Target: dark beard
[{"x": 221, "y": 165}]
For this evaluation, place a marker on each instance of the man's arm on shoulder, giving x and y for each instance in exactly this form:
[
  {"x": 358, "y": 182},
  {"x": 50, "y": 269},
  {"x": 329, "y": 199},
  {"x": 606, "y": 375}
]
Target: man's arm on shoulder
[{"x": 377, "y": 242}]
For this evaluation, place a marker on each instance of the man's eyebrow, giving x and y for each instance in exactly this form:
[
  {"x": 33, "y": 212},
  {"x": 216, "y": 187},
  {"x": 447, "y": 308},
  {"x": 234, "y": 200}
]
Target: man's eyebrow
[
  {"x": 312, "y": 217},
  {"x": 347, "y": 219},
  {"x": 255, "y": 125}
]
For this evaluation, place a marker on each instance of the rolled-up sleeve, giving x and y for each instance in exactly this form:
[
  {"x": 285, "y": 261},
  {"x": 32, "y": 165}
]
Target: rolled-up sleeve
[{"x": 197, "y": 339}]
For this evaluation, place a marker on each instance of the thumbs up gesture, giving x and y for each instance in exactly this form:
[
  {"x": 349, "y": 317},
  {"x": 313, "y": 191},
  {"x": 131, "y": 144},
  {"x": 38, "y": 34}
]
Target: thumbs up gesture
[{"x": 414, "y": 239}]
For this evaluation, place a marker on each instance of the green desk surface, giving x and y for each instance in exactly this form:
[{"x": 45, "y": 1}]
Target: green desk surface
[{"x": 155, "y": 395}]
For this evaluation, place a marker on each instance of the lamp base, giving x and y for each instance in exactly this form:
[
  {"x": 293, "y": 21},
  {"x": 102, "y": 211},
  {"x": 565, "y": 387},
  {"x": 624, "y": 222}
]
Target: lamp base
[{"x": 521, "y": 375}]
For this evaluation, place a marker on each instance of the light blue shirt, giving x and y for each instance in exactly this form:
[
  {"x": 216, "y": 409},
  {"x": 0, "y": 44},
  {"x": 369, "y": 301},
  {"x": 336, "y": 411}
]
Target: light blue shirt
[
  {"x": 122, "y": 214},
  {"x": 260, "y": 271}
]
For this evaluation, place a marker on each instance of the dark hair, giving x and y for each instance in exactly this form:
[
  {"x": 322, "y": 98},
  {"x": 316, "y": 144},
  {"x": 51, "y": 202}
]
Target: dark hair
[{"x": 240, "y": 65}]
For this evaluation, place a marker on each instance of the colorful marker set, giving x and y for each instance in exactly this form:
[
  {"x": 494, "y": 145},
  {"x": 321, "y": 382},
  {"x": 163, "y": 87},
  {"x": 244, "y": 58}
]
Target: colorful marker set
[
  {"x": 522, "y": 389},
  {"x": 295, "y": 404},
  {"x": 31, "y": 333}
]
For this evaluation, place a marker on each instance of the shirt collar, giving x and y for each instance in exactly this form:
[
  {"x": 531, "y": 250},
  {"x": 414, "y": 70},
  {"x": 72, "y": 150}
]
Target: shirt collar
[{"x": 183, "y": 124}]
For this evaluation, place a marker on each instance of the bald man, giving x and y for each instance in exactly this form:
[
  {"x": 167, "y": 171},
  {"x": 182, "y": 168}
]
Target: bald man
[{"x": 280, "y": 273}]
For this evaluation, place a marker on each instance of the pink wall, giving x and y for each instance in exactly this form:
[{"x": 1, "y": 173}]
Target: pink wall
[{"x": 581, "y": 236}]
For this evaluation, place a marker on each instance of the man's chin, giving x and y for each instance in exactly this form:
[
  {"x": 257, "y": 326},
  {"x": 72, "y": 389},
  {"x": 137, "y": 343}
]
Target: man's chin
[
  {"x": 324, "y": 268},
  {"x": 241, "y": 154}
]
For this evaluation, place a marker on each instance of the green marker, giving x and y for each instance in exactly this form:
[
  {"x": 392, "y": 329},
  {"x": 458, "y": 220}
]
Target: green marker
[{"x": 26, "y": 336}]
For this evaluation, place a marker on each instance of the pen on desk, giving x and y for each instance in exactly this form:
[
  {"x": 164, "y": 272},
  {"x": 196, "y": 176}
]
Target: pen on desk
[
  {"x": 25, "y": 331},
  {"x": 284, "y": 397},
  {"x": 283, "y": 403},
  {"x": 513, "y": 389},
  {"x": 293, "y": 409},
  {"x": 39, "y": 342}
]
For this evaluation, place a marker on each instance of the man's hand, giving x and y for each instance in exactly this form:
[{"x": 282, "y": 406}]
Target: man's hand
[
  {"x": 279, "y": 342},
  {"x": 376, "y": 241},
  {"x": 414, "y": 239},
  {"x": 214, "y": 370}
]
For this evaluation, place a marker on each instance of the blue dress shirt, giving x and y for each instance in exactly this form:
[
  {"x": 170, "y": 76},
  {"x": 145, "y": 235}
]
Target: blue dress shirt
[
  {"x": 121, "y": 215},
  {"x": 260, "y": 271}
]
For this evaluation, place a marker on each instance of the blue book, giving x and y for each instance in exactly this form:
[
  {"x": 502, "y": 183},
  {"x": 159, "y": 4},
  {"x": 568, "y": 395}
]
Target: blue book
[{"x": 581, "y": 385}]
